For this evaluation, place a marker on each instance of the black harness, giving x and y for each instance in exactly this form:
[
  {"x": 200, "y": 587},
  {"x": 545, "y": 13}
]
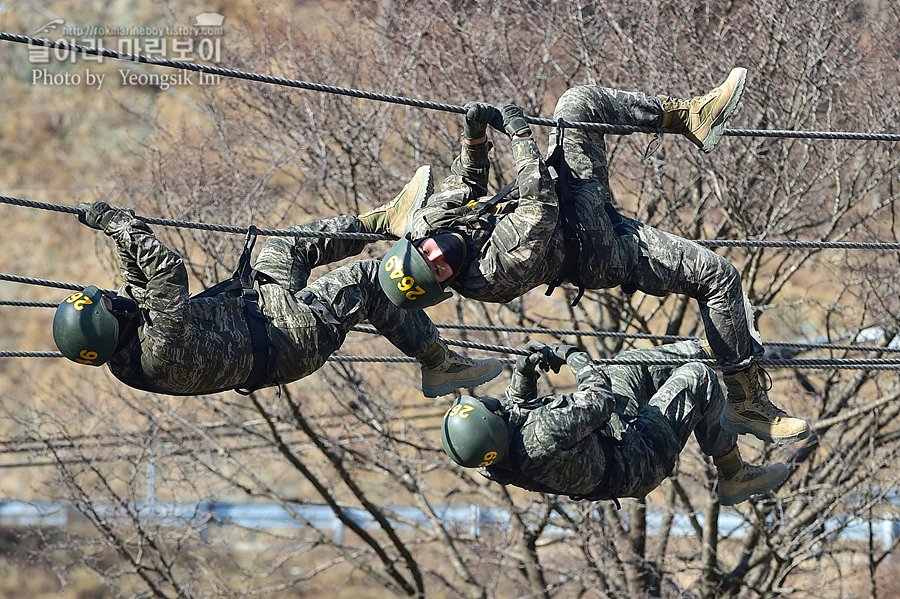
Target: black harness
[
  {"x": 574, "y": 234},
  {"x": 264, "y": 350},
  {"x": 479, "y": 222}
]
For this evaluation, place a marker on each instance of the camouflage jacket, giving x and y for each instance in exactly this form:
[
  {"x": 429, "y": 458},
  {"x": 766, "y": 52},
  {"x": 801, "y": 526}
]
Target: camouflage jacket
[
  {"x": 526, "y": 248},
  {"x": 183, "y": 345},
  {"x": 558, "y": 443}
]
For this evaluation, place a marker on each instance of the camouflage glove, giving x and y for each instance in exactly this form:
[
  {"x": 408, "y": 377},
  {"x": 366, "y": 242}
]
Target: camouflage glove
[
  {"x": 478, "y": 115},
  {"x": 97, "y": 215},
  {"x": 559, "y": 354},
  {"x": 514, "y": 123},
  {"x": 537, "y": 356}
]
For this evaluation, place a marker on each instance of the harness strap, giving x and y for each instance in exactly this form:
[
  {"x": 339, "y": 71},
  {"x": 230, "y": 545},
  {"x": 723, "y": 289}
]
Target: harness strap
[
  {"x": 479, "y": 219},
  {"x": 572, "y": 231},
  {"x": 487, "y": 208},
  {"x": 264, "y": 350},
  {"x": 256, "y": 321}
]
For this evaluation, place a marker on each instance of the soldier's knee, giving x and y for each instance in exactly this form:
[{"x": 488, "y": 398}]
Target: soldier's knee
[
  {"x": 727, "y": 272},
  {"x": 700, "y": 371},
  {"x": 574, "y": 104},
  {"x": 701, "y": 378}
]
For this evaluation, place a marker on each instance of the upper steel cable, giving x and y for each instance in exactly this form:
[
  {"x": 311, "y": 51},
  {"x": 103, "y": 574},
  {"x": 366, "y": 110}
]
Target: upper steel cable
[{"x": 295, "y": 83}]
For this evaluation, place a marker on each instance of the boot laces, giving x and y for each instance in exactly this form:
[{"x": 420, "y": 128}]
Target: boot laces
[
  {"x": 681, "y": 104},
  {"x": 453, "y": 362},
  {"x": 759, "y": 393},
  {"x": 748, "y": 472},
  {"x": 456, "y": 358}
]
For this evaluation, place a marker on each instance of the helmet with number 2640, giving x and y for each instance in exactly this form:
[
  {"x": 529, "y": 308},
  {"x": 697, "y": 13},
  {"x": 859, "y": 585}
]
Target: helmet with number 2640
[{"x": 408, "y": 280}]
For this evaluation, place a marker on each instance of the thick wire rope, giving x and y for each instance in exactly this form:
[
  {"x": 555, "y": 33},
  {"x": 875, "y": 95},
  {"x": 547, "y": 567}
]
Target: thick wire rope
[
  {"x": 813, "y": 364},
  {"x": 205, "y": 226},
  {"x": 28, "y": 304},
  {"x": 295, "y": 83},
  {"x": 505, "y": 329},
  {"x": 844, "y": 245},
  {"x": 647, "y": 336},
  {"x": 456, "y": 342},
  {"x": 42, "y": 282}
]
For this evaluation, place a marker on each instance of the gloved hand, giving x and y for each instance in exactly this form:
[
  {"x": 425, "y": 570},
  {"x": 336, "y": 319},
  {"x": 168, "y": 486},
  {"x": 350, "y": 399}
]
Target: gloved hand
[
  {"x": 98, "y": 214},
  {"x": 513, "y": 121},
  {"x": 537, "y": 357},
  {"x": 558, "y": 354},
  {"x": 478, "y": 115}
]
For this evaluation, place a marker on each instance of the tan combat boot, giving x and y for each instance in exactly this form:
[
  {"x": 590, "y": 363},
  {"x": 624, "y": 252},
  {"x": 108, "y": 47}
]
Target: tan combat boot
[
  {"x": 738, "y": 480},
  {"x": 748, "y": 410},
  {"x": 702, "y": 119},
  {"x": 395, "y": 217},
  {"x": 444, "y": 370}
]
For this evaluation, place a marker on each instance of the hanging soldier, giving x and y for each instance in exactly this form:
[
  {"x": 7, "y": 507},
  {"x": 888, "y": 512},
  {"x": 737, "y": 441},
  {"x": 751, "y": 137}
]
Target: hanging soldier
[
  {"x": 265, "y": 326},
  {"x": 618, "y": 435}
]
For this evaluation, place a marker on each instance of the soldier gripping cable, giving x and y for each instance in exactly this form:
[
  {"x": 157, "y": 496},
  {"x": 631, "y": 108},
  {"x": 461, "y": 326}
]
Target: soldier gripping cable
[
  {"x": 617, "y": 436},
  {"x": 557, "y": 224},
  {"x": 266, "y": 326}
]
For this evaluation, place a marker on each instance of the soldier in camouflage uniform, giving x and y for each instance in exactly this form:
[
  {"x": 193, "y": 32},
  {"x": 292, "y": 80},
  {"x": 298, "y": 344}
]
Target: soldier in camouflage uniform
[
  {"x": 522, "y": 242},
  {"x": 617, "y": 436},
  {"x": 156, "y": 337}
]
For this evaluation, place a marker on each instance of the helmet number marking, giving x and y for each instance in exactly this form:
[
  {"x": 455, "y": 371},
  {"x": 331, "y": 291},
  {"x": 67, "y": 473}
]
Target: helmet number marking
[
  {"x": 488, "y": 459},
  {"x": 87, "y": 356},
  {"x": 406, "y": 282},
  {"x": 78, "y": 300},
  {"x": 459, "y": 410}
]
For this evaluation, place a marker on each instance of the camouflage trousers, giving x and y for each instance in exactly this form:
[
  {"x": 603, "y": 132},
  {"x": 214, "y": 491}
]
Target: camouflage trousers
[
  {"x": 310, "y": 322},
  {"x": 659, "y": 407},
  {"x": 640, "y": 257}
]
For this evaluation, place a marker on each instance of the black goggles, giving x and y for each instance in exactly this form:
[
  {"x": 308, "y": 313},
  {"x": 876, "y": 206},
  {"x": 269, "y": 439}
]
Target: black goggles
[
  {"x": 120, "y": 306},
  {"x": 493, "y": 405}
]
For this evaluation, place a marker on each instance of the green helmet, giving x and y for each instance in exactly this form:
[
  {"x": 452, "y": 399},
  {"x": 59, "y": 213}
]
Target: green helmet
[
  {"x": 84, "y": 330},
  {"x": 407, "y": 279},
  {"x": 472, "y": 435}
]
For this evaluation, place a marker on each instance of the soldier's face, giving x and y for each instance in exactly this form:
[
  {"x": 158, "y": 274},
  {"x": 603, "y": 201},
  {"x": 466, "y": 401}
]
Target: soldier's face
[{"x": 435, "y": 259}]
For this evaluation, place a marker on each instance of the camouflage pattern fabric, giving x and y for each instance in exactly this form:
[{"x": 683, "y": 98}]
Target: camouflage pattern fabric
[
  {"x": 526, "y": 249},
  {"x": 198, "y": 345},
  {"x": 644, "y": 414}
]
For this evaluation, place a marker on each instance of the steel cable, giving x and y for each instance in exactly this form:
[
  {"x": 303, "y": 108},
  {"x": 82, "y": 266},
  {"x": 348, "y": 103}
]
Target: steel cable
[
  {"x": 295, "y": 83},
  {"x": 814, "y": 364},
  {"x": 844, "y": 245}
]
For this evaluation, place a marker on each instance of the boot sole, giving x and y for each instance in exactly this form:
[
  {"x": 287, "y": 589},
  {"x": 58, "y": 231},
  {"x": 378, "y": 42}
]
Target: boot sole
[
  {"x": 718, "y": 125},
  {"x": 450, "y": 386},
  {"x": 739, "y": 428},
  {"x": 747, "y": 494}
]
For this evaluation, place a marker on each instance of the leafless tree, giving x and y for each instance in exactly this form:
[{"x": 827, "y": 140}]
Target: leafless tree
[{"x": 358, "y": 441}]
